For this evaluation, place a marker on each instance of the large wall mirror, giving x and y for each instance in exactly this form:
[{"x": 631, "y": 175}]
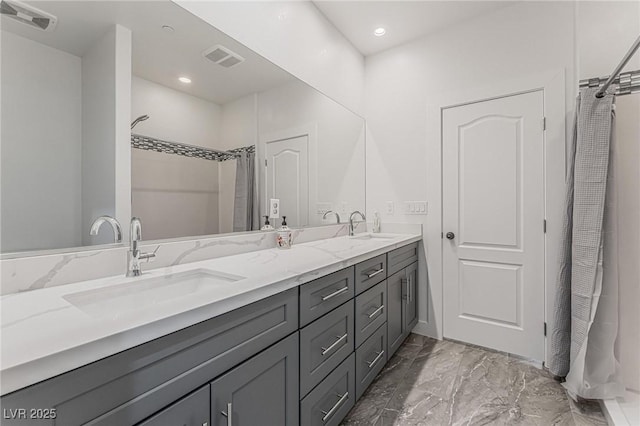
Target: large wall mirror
[{"x": 217, "y": 129}]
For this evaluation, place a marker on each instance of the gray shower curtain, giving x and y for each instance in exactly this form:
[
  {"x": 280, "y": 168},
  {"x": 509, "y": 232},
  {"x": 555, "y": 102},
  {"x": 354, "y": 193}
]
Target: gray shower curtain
[
  {"x": 245, "y": 206},
  {"x": 585, "y": 314}
]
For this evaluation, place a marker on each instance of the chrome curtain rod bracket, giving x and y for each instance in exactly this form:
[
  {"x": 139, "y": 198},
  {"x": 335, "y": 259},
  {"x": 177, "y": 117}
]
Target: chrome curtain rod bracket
[
  {"x": 616, "y": 72},
  {"x": 626, "y": 83},
  {"x": 158, "y": 145}
]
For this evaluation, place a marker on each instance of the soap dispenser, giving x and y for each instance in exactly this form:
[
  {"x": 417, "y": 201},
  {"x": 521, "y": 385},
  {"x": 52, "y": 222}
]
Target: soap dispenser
[
  {"x": 284, "y": 237},
  {"x": 376, "y": 222},
  {"x": 267, "y": 226}
]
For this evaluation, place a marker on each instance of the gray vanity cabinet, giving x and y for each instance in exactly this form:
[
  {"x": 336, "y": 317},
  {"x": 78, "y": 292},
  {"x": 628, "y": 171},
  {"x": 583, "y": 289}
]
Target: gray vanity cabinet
[
  {"x": 411, "y": 305},
  {"x": 402, "y": 300},
  {"x": 331, "y": 400},
  {"x": 303, "y": 356},
  {"x": 324, "y": 344},
  {"x": 192, "y": 410},
  {"x": 261, "y": 391},
  {"x": 395, "y": 302}
]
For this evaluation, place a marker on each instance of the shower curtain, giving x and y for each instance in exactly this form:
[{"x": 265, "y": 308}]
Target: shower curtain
[
  {"x": 586, "y": 308},
  {"x": 245, "y": 205}
]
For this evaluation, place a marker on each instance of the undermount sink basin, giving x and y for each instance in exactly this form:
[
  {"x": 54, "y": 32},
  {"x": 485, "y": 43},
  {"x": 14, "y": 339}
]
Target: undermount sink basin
[
  {"x": 372, "y": 236},
  {"x": 142, "y": 293}
]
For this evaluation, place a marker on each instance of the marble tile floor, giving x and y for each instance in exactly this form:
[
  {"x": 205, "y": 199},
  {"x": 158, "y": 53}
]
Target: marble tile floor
[{"x": 430, "y": 382}]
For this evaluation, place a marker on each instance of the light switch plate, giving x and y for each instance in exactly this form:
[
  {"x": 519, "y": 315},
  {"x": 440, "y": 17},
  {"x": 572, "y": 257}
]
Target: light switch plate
[
  {"x": 415, "y": 208},
  {"x": 274, "y": 208}
]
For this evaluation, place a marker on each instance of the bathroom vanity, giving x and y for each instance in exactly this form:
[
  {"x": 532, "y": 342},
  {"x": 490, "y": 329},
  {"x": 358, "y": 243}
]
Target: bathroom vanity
[{"x": 282, "y": 348}]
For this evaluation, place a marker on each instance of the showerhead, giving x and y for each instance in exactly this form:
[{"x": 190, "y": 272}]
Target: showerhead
[{"x": 139, "y": 119}]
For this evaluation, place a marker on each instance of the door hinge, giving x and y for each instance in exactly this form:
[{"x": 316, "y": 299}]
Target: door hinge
[
  {"x": 265, "y": 162},
  {"x": 544, "y": 226},
  {"x": 544, "y": 123},
  {"x": 545, "y": 328},
  {"x": 441, "y": 235}
]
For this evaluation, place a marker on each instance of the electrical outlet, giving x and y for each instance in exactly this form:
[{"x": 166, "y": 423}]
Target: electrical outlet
[
  {"x": 390, "y": 208},
  {"x": 274, "y": 208}
]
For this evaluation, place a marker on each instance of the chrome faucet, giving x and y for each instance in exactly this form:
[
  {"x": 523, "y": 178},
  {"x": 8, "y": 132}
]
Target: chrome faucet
[
  {"x": 134, "y": 255},
  {"x": 115, "y": 225},
  {"x": 351, "y": 227},
  {"x": 324, "y": 216}
]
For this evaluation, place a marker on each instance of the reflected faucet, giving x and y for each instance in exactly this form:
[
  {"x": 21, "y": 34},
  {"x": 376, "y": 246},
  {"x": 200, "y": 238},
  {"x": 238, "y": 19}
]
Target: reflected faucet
[
  {"x": 324, "y": 216},
  {"x": 134, "y": 255},
  {"x": 115, "y": 225},
  {"x": 351, "y": 227}
]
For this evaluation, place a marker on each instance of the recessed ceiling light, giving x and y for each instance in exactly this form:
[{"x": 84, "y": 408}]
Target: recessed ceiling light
[
  {"x": 186, "y": 80},
  {"x": 379, "y": 32},
  {"x": 168, "y": 28}
]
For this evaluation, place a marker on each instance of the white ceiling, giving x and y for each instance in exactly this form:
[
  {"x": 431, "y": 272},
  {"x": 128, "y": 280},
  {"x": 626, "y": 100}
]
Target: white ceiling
[
  {"x": 403, "y": 20},
  {"x": 158, "y": 55}
]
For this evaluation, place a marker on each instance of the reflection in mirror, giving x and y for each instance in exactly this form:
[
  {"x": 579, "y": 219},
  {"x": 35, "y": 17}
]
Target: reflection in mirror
[{"x": 140, "y": 108}]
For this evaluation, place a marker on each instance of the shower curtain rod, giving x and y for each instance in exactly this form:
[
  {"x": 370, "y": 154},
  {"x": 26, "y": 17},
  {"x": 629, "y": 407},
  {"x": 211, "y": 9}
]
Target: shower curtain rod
[
  {"x": 153, "y": 144},
  {"x": 629, "y": 84}
]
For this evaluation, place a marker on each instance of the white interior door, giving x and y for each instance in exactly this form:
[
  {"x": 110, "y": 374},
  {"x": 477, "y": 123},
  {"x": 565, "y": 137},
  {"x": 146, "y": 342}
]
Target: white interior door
[
  {"x": 493, "y": 215},
  {"x": 287, "y": 170}
]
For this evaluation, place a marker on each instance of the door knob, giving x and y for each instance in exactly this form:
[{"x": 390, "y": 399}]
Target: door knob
[{"x": 450, "y": 235}]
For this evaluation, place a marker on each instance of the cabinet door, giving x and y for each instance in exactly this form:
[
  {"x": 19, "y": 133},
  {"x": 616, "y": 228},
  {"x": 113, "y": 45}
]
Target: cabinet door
[
  {"x": 261, "y": 391},
  {"x": 192, "y": 410},
  {"x": 395, "y": 319},
  {"x": 411, "y": 299}
]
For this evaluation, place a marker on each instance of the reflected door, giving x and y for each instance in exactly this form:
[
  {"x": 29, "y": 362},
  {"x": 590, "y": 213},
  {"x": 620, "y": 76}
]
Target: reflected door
[
  {"x": 287, "y": 170},
  {"x": 493, "y": 213}
]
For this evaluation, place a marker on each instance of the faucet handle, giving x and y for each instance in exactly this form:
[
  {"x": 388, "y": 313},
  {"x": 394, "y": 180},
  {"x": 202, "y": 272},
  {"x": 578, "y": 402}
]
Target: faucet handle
[{"x": 149, "y": 256}]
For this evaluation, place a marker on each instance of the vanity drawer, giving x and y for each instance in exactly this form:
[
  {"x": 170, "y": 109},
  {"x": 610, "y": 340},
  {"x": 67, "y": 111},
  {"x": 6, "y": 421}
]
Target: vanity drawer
[
  {"x": 324, "y": 344},
  {"x": 370, "y": 272},
  {"x": 371, "y": 311},
  {"x": 192, "y": 410},
  {"x": 325, "y": 294},
  {"x": 332, "y": 399},
  {"x": 128, "y": 387},
  {"x": 402, "y": 257},
  {"x": 370, "y": 359}
]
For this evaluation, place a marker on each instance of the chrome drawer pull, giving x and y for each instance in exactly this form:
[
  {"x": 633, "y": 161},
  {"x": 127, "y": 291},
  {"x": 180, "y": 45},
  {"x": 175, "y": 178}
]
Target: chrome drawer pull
[
  {"x": 334, "y": 344},
  {"x": 374, "y": 313},
  {"x": 329, "y": 413},
  {"x": 335, "y": 293},
  {"x": 376, "y": 359},
  {"x": 228, "y": 414},
  {"x": 374, "y": 273}
]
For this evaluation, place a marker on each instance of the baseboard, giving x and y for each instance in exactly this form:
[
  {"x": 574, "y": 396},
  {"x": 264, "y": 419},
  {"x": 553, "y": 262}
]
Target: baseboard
[
  {"x": 422, "y": 328},
  {"x": 622, "y": 411}
]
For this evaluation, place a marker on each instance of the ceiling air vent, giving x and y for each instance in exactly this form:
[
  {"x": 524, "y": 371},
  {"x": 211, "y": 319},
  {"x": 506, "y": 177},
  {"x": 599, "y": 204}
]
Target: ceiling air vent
[
  {"x": 222, "y": 56},
  {"x": 28, "y": 15}
]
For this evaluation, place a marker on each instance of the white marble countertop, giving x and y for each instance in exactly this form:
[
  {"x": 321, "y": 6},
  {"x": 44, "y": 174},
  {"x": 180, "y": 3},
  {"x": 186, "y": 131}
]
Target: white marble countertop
[{"x": 43, "y": 335}]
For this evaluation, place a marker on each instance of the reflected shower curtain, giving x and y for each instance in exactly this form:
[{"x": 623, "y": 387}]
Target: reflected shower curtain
[
  {"x": 245, "y": 205},
  {"x": 586, "y": 309}
]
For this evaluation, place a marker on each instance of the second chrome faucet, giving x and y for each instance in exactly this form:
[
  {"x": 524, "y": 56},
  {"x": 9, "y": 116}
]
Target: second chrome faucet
[
  {"x": 134, "y": 255},
  {"x": 353, "y": 227}
]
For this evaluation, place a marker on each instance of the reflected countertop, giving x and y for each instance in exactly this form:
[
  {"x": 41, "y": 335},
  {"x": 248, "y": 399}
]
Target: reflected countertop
[{"x": 44, "y": 335}]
